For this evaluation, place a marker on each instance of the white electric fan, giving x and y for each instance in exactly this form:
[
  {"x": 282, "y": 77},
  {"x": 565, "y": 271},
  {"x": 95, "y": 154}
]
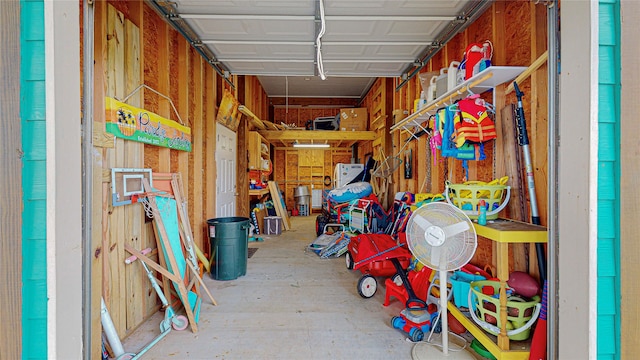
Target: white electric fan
[{"x": 441, "y": 237}]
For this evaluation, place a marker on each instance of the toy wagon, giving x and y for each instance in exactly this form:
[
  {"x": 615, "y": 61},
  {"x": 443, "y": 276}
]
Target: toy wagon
[{"x": 372, "y": 254}]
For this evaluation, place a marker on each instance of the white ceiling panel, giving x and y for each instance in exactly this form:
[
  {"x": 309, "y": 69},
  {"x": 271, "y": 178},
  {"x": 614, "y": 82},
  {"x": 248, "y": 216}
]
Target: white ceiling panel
[
  {"x": 272, "y": 68},
  {"x": 377, "y": 69},
  {"x": 283, "y": 30},
  {"x": 363, "y": 39},
  {"x": 383, "y": 30},
  {"x": 377, "y": 52},
  {"x": 251, "y": 52},
  {"x": 247, "y": 7},
  {"x": 313, "y": 86},
  {"x": 394, "y": 7}
]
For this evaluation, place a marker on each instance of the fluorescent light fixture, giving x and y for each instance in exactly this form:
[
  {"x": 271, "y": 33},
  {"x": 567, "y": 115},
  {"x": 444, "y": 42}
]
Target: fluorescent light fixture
[{"x": 297, "y": 145}]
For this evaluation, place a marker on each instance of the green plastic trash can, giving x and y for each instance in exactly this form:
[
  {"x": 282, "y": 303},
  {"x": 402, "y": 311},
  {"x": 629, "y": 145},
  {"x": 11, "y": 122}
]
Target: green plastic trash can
[{"x": 229, "y": 237}]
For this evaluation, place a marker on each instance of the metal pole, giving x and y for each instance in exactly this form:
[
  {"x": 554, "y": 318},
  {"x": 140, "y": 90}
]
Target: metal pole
[
  {"x": 552, "y": 201},
  {"x": 523, "y": 139},
  {"x": 87, "y": 174}
]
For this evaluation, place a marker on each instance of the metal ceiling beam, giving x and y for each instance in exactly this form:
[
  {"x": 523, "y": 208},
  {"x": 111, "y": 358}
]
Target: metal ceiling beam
[
  {"x": 349, "y": 61},
  {"x": 377, "y": 43},
  {"x": 257, "y": 42},
  {"x": 249, "y": 17},
  {"x": 307, "y": 43},
  {"x": 388, "y": 18},
  {"x": 316, "y": 18},
  {"x": 167, "y": 12}
]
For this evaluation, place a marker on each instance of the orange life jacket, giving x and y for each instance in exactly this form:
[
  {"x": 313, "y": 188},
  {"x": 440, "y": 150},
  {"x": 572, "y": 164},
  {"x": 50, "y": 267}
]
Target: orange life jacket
[{"x": 472, "y": 123}]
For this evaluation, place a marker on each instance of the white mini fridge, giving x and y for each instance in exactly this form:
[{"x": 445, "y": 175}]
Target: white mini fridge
[{"x": 345, "y": 173}]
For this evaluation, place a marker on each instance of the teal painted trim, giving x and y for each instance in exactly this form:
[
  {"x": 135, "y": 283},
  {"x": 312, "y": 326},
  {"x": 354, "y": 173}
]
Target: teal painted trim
[
  {"x": 608, "y": 180},
  {"x": 34, "y": 230}
]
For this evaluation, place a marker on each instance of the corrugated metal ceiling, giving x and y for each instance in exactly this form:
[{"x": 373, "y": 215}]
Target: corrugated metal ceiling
[{"x": 277, "y": 40}]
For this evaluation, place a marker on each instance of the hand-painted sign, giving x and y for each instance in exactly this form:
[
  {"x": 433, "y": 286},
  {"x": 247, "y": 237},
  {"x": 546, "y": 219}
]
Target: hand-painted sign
[
  {"x": 228, "y": 114},
  {"x": 132, "y": 123}
]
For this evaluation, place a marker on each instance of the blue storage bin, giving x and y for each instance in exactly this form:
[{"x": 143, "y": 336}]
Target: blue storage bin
[{"x": 461, "y": 284}]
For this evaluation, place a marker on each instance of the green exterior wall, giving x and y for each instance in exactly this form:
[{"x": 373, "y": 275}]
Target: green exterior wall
[
  {"x": 34, "y": 231},
  {"x": 608, "y": 180}
]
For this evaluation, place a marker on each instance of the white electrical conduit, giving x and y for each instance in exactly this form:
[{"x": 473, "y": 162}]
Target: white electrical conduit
[
  {"x": 323, "y": 76},
  {"x": 110, "y": 331}
]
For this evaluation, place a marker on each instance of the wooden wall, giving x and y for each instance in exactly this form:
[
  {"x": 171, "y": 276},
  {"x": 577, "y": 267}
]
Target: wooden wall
[
  {"x": 134, "y": 46},
  {"x": 518, "y": 33},
  {"x": 289, "y": 174},
  {"x": 298, "y": 116},
  {"x": 11, "y": 192},
  {"x": 629, "y": 192}
]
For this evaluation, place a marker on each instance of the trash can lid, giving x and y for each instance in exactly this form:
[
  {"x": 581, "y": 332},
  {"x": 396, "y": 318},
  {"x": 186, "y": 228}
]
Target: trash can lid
[{"x": 230, "y": 219}]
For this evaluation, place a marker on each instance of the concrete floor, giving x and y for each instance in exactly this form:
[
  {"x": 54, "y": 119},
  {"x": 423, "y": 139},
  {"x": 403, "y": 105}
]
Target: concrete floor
[{"x": 290, "y": 305}]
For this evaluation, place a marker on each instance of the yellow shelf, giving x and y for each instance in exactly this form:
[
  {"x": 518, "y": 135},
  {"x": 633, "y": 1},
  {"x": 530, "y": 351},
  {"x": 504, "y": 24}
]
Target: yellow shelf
[
  {"x": 259, "y": 192},
  {"x": 511, "y": 231},
  {"x": 503, "y": 232},
  {"x": 485, "y": 339}
]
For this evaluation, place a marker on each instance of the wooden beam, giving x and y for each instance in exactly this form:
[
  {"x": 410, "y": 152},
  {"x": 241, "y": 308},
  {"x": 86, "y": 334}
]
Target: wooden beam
[
  {"x": 255, "y": 121},
  {"x": 198, "y": 152},
  {"x": 164, "y": 108},
  {"x": 311, "y": 102},
  {"x": 629, "y": 191},
  {"x": 541, "y": 60},
  {"x": 136, "y": 284},
  {"x": 210, "y": 147},
  {"x": 304, "y": 135},
  {"x": 101, "y": 138},
  {"x": 98, "y": 207},
  {"x": 11, "y": 201}
]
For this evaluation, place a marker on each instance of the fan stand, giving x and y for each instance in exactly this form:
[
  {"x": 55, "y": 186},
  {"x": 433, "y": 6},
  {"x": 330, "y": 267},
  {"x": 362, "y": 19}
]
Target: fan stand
[{"x": 429, "y": 351}]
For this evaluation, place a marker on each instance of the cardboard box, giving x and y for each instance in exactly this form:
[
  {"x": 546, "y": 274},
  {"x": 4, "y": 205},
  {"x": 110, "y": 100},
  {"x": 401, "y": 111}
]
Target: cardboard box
[
  {"x": 272, "y": 225},
  {"x": 354, "y": 119}
]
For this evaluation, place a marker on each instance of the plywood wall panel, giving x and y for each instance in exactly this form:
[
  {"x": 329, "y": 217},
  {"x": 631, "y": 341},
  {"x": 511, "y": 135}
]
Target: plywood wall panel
[
  {"x": 196, "y": 165},
  {"x": 114, "y": 272},
  {"x": 305, "y": 115},
  {"x": 151, "y": 44},
  {"x": 517, "y": 34},
  {"x": 122, "y": 7},
  {"x": 177, "y": 72}
]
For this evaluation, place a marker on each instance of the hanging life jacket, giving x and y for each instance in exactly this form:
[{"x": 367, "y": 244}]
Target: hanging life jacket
[
  {"x": 450, "y": 137},
  {"x": 472, "y": 122}
]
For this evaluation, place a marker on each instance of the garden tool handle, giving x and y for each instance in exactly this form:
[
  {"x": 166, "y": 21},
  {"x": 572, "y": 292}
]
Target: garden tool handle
[{"x": 133, "y": 258}]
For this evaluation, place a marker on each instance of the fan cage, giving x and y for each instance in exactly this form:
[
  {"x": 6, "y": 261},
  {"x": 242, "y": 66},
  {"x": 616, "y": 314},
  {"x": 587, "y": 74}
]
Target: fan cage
[{"x": 458, "y": 250}]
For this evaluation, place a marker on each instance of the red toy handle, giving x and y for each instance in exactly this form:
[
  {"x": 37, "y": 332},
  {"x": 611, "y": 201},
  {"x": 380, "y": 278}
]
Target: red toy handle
[{"x": 472, "y": 269}]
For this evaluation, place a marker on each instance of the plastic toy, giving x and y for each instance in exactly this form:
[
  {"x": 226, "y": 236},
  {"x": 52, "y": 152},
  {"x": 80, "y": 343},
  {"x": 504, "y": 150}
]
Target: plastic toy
[
  {"x": 372, "y": 255},
  {"x": 414, "y": 322}
]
